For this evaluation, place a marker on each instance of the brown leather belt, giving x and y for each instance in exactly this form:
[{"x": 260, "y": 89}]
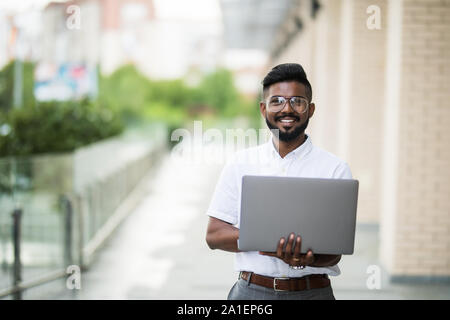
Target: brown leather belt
[{"x": 313, "y": 281}]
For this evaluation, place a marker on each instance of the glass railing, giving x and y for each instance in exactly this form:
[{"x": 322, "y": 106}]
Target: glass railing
[
  {"x": 53, "y": 207},
  {"x": 39, "y": 216}
]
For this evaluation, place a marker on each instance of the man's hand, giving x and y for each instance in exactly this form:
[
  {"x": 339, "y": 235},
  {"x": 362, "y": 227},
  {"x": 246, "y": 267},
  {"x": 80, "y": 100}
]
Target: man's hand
[
  {"x": 291, "y": 253},
  {"x": 292, "y": 256}
]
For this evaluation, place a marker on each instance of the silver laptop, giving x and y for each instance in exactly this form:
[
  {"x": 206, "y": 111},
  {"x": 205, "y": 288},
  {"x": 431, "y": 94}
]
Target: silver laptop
[{"x": 321, "y": 211}]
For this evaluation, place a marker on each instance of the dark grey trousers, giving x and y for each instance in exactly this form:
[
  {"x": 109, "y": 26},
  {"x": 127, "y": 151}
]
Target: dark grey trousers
[{"x": 242, "y": 290}]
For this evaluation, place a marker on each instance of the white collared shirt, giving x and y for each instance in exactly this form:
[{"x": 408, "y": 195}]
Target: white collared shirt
[{"x": 306, "y": 161}]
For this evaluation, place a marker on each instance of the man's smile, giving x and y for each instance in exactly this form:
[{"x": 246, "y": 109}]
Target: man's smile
[{"x": 287, "y": 121}]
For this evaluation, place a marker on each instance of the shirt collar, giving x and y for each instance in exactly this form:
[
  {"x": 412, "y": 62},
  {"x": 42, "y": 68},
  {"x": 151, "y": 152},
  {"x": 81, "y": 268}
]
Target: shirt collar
[{"x": 299, "y": 152}]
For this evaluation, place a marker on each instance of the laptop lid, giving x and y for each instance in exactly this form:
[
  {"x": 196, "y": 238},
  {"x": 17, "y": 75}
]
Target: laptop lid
[{"x": 321, "y": 211}]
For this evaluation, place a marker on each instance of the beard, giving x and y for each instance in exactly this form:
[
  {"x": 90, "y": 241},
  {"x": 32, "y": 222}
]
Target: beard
[{"x": 287, "y": 136}]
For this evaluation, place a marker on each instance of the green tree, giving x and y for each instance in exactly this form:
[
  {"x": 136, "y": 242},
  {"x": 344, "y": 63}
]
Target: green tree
[
  {"x": 218, "y": 91},
  {"x": 7, "y": 86},
  {"x": 56, "y": 127},
  {"x": 125, "y": 91}
]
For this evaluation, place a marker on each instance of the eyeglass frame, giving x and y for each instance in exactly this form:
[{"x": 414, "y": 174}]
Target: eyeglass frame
[{"x": 267, "y": 102}]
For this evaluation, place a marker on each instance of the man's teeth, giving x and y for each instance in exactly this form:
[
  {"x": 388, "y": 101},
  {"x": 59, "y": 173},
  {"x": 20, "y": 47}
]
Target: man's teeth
[{"x": 287, "y": 120}]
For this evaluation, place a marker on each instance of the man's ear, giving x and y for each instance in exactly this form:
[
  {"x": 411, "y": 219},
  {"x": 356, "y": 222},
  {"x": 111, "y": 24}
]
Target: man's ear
[
  {"x": 262, "y": 108},
  {"x": 312, "y": 108}
]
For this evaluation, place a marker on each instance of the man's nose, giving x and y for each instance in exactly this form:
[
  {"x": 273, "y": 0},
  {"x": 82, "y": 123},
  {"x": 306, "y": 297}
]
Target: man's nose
[{"x": 287, "y": 108}]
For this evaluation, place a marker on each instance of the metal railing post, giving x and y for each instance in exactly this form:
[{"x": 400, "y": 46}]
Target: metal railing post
[
  {"x": 68, "y": 227},
  {"x": 17, "y": 272},
  {"x": 68, "y": 236},
  {"x": 81, "y": 205}
]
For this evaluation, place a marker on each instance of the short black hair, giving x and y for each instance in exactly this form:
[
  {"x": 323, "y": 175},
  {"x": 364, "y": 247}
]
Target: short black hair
[{"x": 287, "y": 72}]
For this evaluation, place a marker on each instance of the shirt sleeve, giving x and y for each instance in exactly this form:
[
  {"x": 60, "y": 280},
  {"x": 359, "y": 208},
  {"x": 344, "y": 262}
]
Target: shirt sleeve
[
  {"x": 342, "y": 171},
  {"x": 224, "y": 203}
]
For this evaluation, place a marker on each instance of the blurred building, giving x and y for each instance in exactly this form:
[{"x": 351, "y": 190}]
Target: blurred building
[
  {"x": 380, "y": 71},
  {"x": 19, "y": 35},
  {"x": 4, "y": 35},
  {"x": 71, "y": 32},
  {"x": 124, "y": 31},
  {"x": 97, "y": 32},
  {"x": 250, "y": 30},
  {"x": 111, "y": 33},
  {"x": 161, "y": 46},
  {"x": 248, "y": 67},
  {"x": 187, "y": 38}
]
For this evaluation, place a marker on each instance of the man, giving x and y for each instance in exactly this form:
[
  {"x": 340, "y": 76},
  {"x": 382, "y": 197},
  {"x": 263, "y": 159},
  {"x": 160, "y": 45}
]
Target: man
[{"x": 287, "y": 108}]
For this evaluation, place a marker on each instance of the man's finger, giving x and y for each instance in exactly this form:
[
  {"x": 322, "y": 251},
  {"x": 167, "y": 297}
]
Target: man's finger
[
  {"x": 309, "y": 258},
  {"x": 288, "y": 251},
  {"x": 280, "y": 248},
  {"x": 298, "y": 244}
]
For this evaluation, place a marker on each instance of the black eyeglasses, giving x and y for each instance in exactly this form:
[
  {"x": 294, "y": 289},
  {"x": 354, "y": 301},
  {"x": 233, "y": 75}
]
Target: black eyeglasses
[{"x": 277, "y": 103}]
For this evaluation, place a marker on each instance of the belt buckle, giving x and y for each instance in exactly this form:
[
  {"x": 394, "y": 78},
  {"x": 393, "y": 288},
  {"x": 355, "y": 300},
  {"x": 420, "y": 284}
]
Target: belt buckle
[{"x": 275, "y": 283}]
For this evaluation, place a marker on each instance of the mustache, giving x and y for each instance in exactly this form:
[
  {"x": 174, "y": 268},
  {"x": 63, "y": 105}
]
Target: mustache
[{"x": 287, "y": 115}]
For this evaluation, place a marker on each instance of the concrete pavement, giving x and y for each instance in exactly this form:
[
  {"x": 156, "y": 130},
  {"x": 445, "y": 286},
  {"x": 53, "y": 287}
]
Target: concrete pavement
[{"x": 159, "y": 251}]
